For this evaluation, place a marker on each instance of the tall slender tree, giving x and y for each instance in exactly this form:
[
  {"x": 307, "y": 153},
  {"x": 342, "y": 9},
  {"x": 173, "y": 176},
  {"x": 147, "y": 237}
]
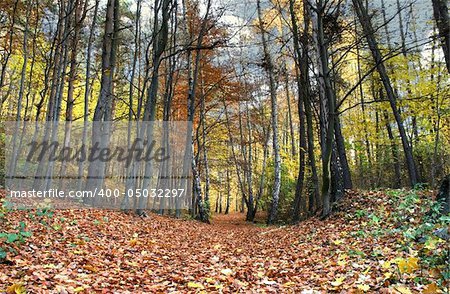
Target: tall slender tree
[{"x": 269, "y": 68}]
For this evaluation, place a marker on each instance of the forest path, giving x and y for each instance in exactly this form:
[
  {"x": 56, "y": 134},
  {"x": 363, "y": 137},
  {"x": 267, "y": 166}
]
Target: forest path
[
  {"x": 234, "y": 220},
  {"x": 93, "y": 250}
]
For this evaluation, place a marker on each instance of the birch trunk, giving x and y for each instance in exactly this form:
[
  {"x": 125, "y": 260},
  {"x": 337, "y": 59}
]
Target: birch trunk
[{"x": 274, "y": 119}]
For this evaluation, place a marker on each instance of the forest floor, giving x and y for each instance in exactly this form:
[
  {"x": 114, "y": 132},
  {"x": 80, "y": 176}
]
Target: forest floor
[{"x": 358, "y": 249}]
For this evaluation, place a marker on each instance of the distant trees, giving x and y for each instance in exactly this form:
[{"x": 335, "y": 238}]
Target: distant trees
[
  {"x": 368, "y": 30},
  {"x": 7, "y": 47}
]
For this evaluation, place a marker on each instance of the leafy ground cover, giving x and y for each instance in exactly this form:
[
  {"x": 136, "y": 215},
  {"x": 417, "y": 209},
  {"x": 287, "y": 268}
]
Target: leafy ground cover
[{"x": 375, "y": 242}]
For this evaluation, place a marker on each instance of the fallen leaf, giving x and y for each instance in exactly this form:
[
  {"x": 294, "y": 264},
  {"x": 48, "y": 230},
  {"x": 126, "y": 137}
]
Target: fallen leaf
[
  {"x": 16, "y": 289},
  {"x": 402, "y": 289},
  {"x": 338, "y": 282},
  {"x": 408, "y": 265},
  {"x": 431, "y": 289},
  {"x": 90, "y": 268},
  {"x": 195, "y": 285},
  {"x": 364, "y": 287},
  {"x": 226, "y": 271},
  {"x": 288, "y": 284},
  {"x": 267, "y": 282}
]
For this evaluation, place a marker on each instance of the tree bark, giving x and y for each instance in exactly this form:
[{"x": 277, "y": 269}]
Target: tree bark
[
  {"x": 304, "y": 88},
  {"x": 79, "y": 16},
  {"x": 441, "y": 16},
  {"x": 330, "y": 102},
  {"x": 103, "y": 109},
  {"x": 192, "y": 85},
  {"x": 291, "y": 126},
  {"x": 87, "y": 89},
  {"x": 274, "y": 119},
  {"x": 444, "y": 195},
  {"x": 227, "y": 207},
  {"x": 340, "y": 144}
]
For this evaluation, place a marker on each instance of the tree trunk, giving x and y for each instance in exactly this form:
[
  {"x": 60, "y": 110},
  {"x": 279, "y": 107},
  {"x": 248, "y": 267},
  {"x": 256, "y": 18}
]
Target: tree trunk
[
  {"x": 193, "y": 79},
  {"x": 204, "y": 146},
  {"x": 305, "y": 94},
  {"x": 363, "y": 108},
  {"x": 329, "y": 100},
  {"x": 394, "y": 150},
  {"x": 340, "y": 144},
  {"x": 444, "y": 195},
  {"x": 235, "y": 159},
  {"x": 274, "y": 119},
  {"x": 227, "y": 207},
  {"x": 103, "y": 109},
  {"x": 21, "y": 91},
  {"x": 79, "y": 16},
  {"x": 441, "y": 16},
  {"x": 87, "y": 89},
  {"x": 291, "y": 126},
  {"x": 299, "y": 199},
  {"x": 248, "y": 167}
]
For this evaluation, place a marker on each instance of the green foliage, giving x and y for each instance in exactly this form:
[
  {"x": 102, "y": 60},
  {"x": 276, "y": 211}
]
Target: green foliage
[
  {"x": 43, "y": 215},
  {"x": 360, "y": 213},
  {"x": 374, "y": 219},
  {"x": 420, "y": 220},
  {"x": 44, "y": 212},
  {"x": 356, "y": 253},
  {"x": 2, "y": 253},
  {"x": 16, "y": 235}
]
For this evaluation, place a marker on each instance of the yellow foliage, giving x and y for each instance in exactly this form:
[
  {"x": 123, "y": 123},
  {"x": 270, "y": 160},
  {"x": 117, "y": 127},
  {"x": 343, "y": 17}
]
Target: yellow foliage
[
  {"x": 16, "y": 289},
  {"x": 430, "y": 289},
  {"x": 338, "y": 282},
  {"x": 288, "y": 284},
  {"x": 402, "y": 289},
  {"x": 364, "y": 287},
  {"x": 195, "y": 285},
  {"x": 408, "y": 265}
]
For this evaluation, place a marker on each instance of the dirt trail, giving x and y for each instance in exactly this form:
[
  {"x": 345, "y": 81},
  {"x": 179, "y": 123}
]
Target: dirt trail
[{"x": 104, "y": 251}]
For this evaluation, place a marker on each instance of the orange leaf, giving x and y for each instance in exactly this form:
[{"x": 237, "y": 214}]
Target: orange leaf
[
  {"x": 431, "y": 289},
  {"x": 16, "y": 289}
]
